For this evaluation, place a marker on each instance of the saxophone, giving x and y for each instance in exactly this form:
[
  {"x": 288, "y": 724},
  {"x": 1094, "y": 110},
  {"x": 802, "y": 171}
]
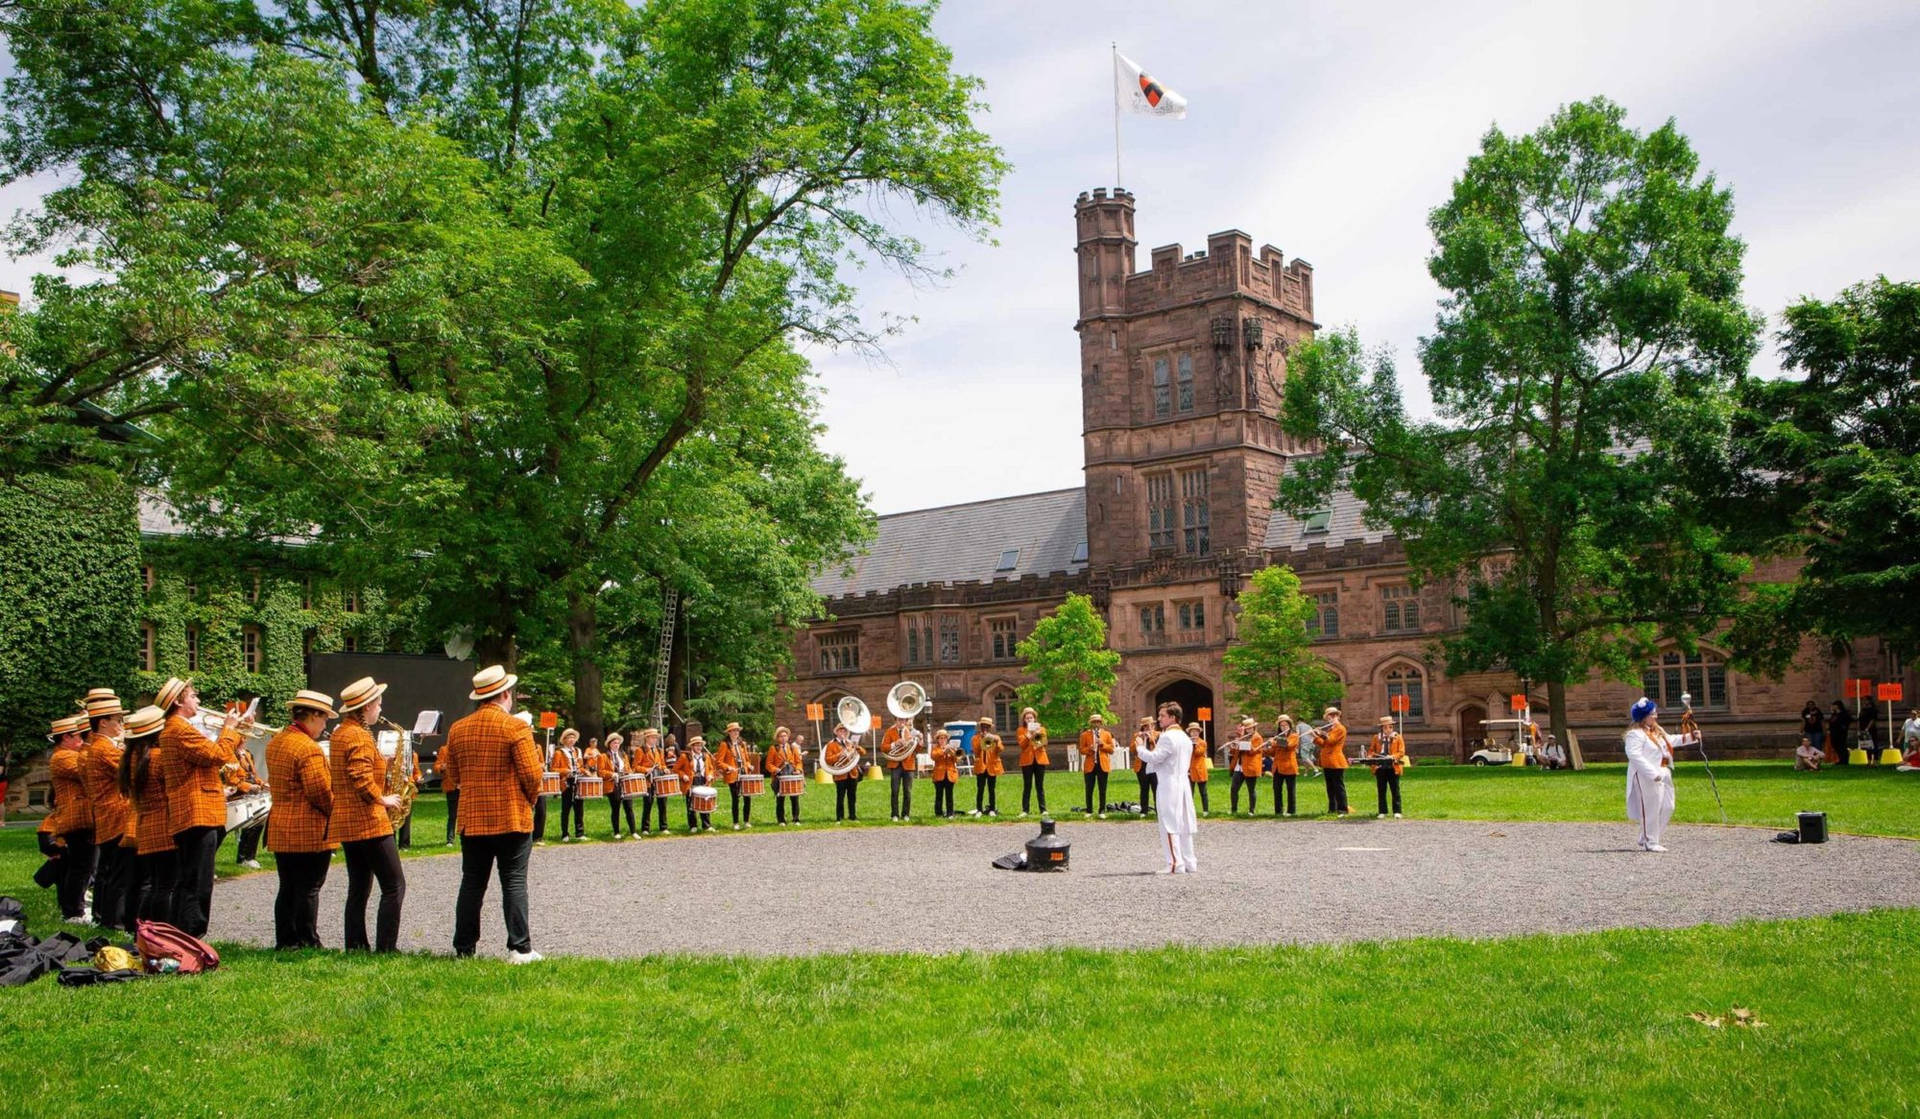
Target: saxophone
[{"x": 400, "y": 777}]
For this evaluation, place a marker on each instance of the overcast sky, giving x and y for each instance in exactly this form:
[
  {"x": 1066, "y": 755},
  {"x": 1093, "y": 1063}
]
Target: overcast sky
[{"x": 1329, "y": 130}]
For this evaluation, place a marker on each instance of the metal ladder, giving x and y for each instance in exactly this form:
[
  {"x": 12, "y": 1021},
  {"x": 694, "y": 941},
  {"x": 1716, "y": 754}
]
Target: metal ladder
[{"x": 668, "y": 617}]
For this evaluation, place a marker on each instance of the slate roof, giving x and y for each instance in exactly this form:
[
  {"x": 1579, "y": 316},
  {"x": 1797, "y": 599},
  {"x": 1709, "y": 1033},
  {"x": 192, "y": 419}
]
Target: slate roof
[
  {"x": 1344, "y": 523},
  {"x": 965, "y": 543}
]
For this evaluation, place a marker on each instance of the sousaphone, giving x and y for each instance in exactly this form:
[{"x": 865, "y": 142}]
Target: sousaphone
[
  {"x": 853, "y": 715},
  {"x": 906, "y": 700}
]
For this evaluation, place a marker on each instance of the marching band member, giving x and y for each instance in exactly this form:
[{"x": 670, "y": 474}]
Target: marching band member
[
  {"x": 142, "y": 781},
  {"x": 246, "y": 780},
  {"x": 1149, "y": 783},
  {"x": 113, "y": 871},
  {"x": 1331, "y": 747},
  {"x": 1649, "y": 774},
  {"x": 72, "y": 815},
  {"x": 1200, "y": 769},
  {"x": 696, "y": 768},
  {"x": 648, "y": 757},
  {"x": 1249, "y": 751},
  {"x": 403, "y": 835},
  {"x": 946, "y": 772},
  {"x": 785, "y": 752},
  {"x": 846, "y": 787},
  {"x": 594, "y": 762},
  {"x": 618, "y": 764},
  {"x": 447, "y": 786},
  {"x": 1096, "y": 762},
  {"x": 1384, "y": 744},
  {"x": 736, "y": 759},
  {"x": 1169, "y": 756},
  {"x": 1033, "y": 760},
  {"x": 988, "y": 765},
  {"x": 899, "y": 771},
  {"x": 497, "y": 768},
  {"x": 568, "y": 762},
  {"x": 297, "y": 823},
  {"x": 360, "y": 824},
  {"x": 1284, "y": 749},
  {"x": 196, "y": 800}
]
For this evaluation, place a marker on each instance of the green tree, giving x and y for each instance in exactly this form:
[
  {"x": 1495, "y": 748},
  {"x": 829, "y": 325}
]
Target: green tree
[
  {"x": 1271, "y": 667},
  {"x": 1072, "y": 667},
  {"x": 1831, "y": 470},
  {"x": 1581, "y": 368}
]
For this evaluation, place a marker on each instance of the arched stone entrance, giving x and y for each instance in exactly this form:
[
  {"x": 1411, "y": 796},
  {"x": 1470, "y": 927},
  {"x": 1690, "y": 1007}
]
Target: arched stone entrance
[
  {"x": 1191, "y": 695},
  {"x": 1470, "y": 729}
]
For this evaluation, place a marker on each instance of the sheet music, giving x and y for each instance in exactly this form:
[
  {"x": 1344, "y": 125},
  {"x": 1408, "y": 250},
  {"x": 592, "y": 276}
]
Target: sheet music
[{"x": 426, "y": 723}]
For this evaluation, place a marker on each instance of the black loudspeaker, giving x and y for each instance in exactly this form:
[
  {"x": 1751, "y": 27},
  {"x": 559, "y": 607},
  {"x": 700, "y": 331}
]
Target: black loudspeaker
[{"x": 1813, "y": 827}]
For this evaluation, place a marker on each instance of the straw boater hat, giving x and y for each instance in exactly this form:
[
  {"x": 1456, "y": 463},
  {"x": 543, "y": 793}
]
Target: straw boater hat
[
  {"x": 101, "y": 706},
  {"x": 146, "y": 721},
  {"x": 696, "y": 740},
  {"x": 491, "y": 681},
  {"x": 1248, "y": 721},
  {"x": 731, "y": 727},
  {"x": 318, "y": 701},
  {"x": 986, "y": 720},
  {"x": 1096, "y": 718},
  {"x": 360, "y": 693},
  {"x": 1387, "y": 719},
  {"x": 569, "y": 733},
  {"x": 169, "y": 693},
  {"x": 72, "y": 724}
]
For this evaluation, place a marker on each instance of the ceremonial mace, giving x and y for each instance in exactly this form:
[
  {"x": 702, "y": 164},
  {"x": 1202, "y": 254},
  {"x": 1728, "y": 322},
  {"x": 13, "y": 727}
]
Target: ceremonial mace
[{"x": 1688, "y": 726}]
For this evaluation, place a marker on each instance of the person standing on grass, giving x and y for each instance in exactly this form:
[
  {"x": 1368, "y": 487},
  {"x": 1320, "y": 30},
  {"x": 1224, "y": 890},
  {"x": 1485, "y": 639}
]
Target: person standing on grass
[
  {"x": 843, "y": 751},
  {"x": 72, "y": 815},
  {"x": 1839, "y": 722},
  {"x": 1096, "y": 762},
  {"x": 1284, "y": 749},
  {"x": 1033, "y": 761},
  {"x": 1330, "y": 740},
  {"x": 1386, "y": 775},
  {"x": 988, "y": 765},
  {"x": 1649, "y": 774},
  {"x": 1199, "y": 766},
  {"x": 1143, "y": 740},
  {"x": 497, "y": 768},
  {"x": 946, "y": 773},
  {"x": 1169, "y": 757}
]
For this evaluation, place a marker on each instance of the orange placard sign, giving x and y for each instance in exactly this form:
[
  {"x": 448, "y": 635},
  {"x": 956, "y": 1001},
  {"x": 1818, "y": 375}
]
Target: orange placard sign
[
  {"x": 1859, "y": 687},
  {"x": 816, "y": 712},
  {"x": 1205, "y": 714},
  {"x": 1517, "y": 702},
  {"x": 549, "y": 720},
  {"x": 1891, "y": 693},
  {"x": 1398, "y": 703}
]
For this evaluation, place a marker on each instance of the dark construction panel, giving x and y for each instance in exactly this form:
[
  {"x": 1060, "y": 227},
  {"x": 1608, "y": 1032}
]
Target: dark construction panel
[{"x": 414, "y": 684}]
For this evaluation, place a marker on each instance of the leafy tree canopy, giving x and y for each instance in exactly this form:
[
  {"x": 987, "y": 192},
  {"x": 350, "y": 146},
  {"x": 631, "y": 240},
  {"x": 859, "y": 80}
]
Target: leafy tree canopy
[
  {"x": 1272, "y": 669},
  {"x": 1072, "y": 667}
]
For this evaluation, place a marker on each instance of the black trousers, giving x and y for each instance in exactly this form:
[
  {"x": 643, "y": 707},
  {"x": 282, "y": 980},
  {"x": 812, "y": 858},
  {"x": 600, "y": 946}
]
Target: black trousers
[
  {"x": 296, "y": 908},
  {"x": 780, "y": 805},
  {"x": 1287, "y": 783},
  {"x": 479, "y": 856},
  {"x": 152, "y": 897},
  {"x": 614, "y": 803},
  {"x": 742, "y": 806},
  {"x": 571, "y": 808},
  {"x": 943, "y": 799},
  {"x": 195, "y": 849},
  {"x": 1149, "y": 785},
  {"x": 1032, "y": 777},
  {"x": 403, "y": 835},
  {"x": 1200, "y": 791},
  {"x": 453, "y": 812},
  {"x": 900, "y": 788},
  {"x": 1384, "y": 778},
  {"x": 1096, "y": 781},
  {"x": 113, "y": 874},
  {"x": 1252, "y": 785},
  {"x": 646, "y": 814},
  {"x": 368, "y": 861},
  {"x": 697, "y": 819},
  {"x": 846, "y": 797},
  {"x": 248, "y": 845},
  {"x": 986, "y": 792},
  {"x": 76, "y": 872},
  {"x": 1336, "y": 790},
  {"x": 539, "y": 820}
]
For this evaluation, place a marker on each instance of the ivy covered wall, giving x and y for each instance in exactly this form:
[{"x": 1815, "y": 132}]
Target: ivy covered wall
[{"x": 69, "y": 597}]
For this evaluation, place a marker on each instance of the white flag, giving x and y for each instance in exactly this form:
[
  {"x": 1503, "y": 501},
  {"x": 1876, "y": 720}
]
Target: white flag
[{"x": 1139, "y": 93}]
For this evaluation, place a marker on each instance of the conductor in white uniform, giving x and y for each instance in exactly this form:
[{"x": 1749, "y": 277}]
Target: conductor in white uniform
[
  {"x": 1649, "y": 774},
  {"x": 1168, "y": 758}
]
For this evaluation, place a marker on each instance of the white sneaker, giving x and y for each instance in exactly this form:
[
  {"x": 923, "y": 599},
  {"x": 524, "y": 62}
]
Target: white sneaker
[
  {"x": 252, "y": 864},
  {"x": 1657, "y": 848},
  {"x": 975, "y": 812},
  {"x": 749, "y": 823},
  {"x": 524, "y": 957},
  {"x": 1379, "y": 815},
  {"x": 1103, "y": 815},
  {"x": 449, "y": 842},
  {"x": 1398, "y": 816}
]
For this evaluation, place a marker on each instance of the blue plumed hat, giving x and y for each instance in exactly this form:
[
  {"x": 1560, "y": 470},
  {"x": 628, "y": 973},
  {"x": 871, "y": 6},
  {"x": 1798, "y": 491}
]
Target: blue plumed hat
[{"x": 1641, "y": 709}]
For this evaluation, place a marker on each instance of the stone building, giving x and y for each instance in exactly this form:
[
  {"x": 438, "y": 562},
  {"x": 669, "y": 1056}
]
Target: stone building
[{"x": 1180, "y": 369}]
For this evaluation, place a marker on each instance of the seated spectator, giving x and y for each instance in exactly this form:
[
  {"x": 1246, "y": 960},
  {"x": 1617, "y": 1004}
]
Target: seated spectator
[
  {"x": 1911, "y": 762},
  {"x": 1808, "y": 756}
]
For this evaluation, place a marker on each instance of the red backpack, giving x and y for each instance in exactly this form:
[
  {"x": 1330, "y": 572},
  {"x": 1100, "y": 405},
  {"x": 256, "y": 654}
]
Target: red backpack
[{"x": 157, "y": 941}]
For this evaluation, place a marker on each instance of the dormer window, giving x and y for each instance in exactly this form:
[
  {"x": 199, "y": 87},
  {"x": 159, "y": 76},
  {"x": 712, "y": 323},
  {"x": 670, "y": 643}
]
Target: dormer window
[
  {"x": 1009, "y": 560},
  {"x": 1316, "y": 522}
]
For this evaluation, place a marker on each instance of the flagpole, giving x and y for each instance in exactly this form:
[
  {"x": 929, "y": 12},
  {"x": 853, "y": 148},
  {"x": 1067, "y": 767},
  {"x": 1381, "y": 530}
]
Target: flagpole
[{"x": 1117, "y": 180}]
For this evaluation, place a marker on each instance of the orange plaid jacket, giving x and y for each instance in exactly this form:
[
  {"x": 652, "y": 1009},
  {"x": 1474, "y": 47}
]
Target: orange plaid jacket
[
  {"x": 1254, "y": 757},
  {"x": 196, "y": 796},
  {"x": 110, "y": 809},
  {"x": 1096, "y": 755},
  {"x": 733, "y": 762},
  {"x": 152, "y": 836},
  {"x": 302, "y": 797},
  {"x": 1033, "y": 747},
  {"x": 72, "y": 811},
  {"x": 988, "y": 761},
  {"x": 491, "y": 758},
  {"x": 946, "y": 762},
  {"x": 359, "y": 776}
]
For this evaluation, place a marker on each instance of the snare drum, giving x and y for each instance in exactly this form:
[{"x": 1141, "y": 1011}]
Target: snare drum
[
  {"x": 789, "y": 785},
  {"x": 550, "y": 784},
  {"x": 703, "y": 798},
  {"x": 633, "y": 785},
  {"x": 666, "y": 784},
  {"x": 586, "y": 788},
  {"x": 753, "y": 784}
]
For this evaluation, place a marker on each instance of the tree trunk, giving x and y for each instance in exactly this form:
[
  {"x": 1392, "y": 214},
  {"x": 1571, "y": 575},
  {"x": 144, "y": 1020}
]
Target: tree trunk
[
  {"x": 1557, "y": 720},
  {"x": 491, "y": 647},
  {"x": 588, "y": 700}
]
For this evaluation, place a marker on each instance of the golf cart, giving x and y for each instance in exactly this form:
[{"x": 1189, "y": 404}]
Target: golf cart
[{"x": 1507, "y": 740}]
